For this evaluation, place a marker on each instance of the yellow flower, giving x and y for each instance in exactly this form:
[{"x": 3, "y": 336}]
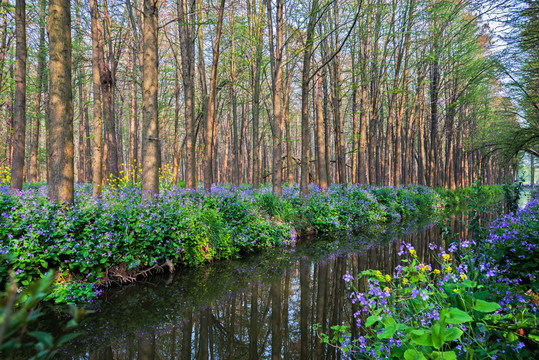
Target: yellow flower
[
  {"x": 463, "y": 277},
  {"x": 448, "y": 269},
  {"x": 386, "y": 289},
  {"x": 378, "y": 274},
  {"x": 413, "y": 253},
  {"x": 405, "y": 281},
  {"x": 424, "y": 267},
  {"x": 388, "y": 278},
  {"x": 455, "y": 290},
  {"x": 436, "y": 271},
  {"x": 447, "y": 257}
]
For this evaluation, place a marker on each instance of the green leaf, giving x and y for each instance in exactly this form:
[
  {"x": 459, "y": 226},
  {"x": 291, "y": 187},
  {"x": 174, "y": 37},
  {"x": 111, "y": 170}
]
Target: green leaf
[
  {"x": 68, "y": 337},
  {"x": 457, "y": 316},
  {"x": 390, "y": 328},
  {"x": 371, "y": 320},
  {"x": 421, "y": 337},
  {"x": 412, "y": 354},
  {"x": 43, "y": 337},
  {"x": 438, "y": 337},
  {"x": 445, "y": 355},
  {"x": 453, "y": 333},
  {"x": 486, "y": 306}
]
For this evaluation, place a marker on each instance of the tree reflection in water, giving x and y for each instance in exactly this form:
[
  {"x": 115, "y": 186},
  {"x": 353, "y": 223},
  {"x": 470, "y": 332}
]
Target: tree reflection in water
[{"x": 263, "y": 307}]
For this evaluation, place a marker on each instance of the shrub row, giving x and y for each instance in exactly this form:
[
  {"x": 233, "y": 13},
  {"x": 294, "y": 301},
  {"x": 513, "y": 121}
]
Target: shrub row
[{"x": 118, "y": 236}]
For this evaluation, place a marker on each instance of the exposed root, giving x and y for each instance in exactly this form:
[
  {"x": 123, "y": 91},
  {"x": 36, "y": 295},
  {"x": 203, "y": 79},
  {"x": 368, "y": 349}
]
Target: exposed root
[{"x": 122, "y": 275}]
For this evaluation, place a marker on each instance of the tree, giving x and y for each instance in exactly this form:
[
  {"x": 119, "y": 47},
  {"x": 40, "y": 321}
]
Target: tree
[
  {"x": 19, "y": 118},
  {"x": 210, "y": 115},
  {"x": 276, "y": 57},
  {"x": 305, "y": 80},
  {"x": 186, "y": 30},
  {"x": 98, "y": 117},
  {"x": 41, "y": 62},
  {"x": 151, "y": 153},
  {"x": 61, "y": 103}
]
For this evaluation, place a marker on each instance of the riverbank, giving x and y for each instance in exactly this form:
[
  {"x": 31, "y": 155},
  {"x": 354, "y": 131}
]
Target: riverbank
[{"x": 117, "y": 238}]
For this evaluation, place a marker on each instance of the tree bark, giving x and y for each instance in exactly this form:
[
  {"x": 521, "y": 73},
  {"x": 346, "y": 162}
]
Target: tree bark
[
  {"x": 19, "y": 117},
  {"x": 305, "y": 80},
  {"x": 187, "y": 35},
  {"x": 276, "y": 57},
  {"x": 133, "y": 168},
  {"x": 322, "y": 156},
  {"x": 33, "y": 174},
  {"x": 256, "y": 19},
  {"x": 210, "y": 116},
  {"x": 151, "y": 154},
  {"x": 98, "y": 117},
  {"x": 61, "y": 103}
]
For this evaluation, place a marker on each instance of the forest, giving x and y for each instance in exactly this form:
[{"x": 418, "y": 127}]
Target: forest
[
  {"x": 371, "y": 92},
  {"x": 259, "y": 178}
]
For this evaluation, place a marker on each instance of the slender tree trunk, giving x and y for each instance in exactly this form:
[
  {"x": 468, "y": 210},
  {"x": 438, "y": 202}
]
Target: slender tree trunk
[
  {"x": 433, "y": 155},
  {"x": 87, "y": 137},
  {"x": 132, "y": 160},
  {"x": 256, "y": 19},
  {"x": 19, "y": 118},
  {"x": 363, "y": 116},
  {"x": 322, "y": 156},
  {"x": 210, "y": 116},
  {"x": 276, "y": 56},
  {"x": 61, "y": 103},
  {"x": 33, "y": 174},
  {"x": 305, "y": 80},
  {"x": 234, "y": 103},
  {"x": 151, "y": 154},
  {"x": 289, "y": 160},
  {"x": 532, "y": 171},
  {"x": 187, "y": 35},
  {"x": 98, "y": 117}
]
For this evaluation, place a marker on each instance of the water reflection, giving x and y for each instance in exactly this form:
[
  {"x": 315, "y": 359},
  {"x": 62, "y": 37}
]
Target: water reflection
[{"x": 263, "y": 307}]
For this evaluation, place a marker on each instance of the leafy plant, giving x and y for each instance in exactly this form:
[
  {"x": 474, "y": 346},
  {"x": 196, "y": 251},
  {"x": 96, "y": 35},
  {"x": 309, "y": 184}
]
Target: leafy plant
[
  {"x": 445, "y": 311},
  {"x": 19, "y": 312}
]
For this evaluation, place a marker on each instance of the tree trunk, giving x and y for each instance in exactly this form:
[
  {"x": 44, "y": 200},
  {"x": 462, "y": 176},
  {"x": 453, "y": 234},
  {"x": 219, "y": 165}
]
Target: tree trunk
[
  {"x": 256, "y": 19},
  {"x": 322, "y": 156},
  {"x": 151, "y": 154},
  {"x": 305, "y": 80},
  {"x": 33, "y": 174},
  {"x": 210, "y": 116},
  {"x": 132, "y": 160},
  {"x": 19, "y": 118},
  {"x": 186, "y": 35},
  {"x": 433, "y": 155},
  {"x": 276, "y": 57},
  {"x": 98, "y": 117},
  {"x": 61, "y": 103}
]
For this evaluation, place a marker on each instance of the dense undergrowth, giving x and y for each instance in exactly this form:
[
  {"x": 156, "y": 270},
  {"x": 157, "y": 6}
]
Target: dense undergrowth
[
  {"x": 479, "y": 300},
  {"x": 118, "y": 237},
  {"x": 460, "y": 197}
]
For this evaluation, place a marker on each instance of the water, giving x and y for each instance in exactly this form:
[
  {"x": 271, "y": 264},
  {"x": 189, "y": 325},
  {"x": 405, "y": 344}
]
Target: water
[{"x": 262, "y": 307}]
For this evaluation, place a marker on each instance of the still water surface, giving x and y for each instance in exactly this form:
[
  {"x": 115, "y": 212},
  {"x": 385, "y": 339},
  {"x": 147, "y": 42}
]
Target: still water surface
[{"x": 262, "y": 307}]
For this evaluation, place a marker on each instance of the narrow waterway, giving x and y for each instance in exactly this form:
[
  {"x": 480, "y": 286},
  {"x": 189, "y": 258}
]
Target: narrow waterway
[{"x": 262, "y": 307}]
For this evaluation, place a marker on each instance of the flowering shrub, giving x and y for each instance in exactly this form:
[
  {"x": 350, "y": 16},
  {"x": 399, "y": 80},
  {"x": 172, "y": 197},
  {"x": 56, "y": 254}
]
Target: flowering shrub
[
  {"x": 117, "y": 237},
  {"x": 5, "y": 174},
  {"x": 512, "y": 248},
  {"x": 472, "y": 301}
]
